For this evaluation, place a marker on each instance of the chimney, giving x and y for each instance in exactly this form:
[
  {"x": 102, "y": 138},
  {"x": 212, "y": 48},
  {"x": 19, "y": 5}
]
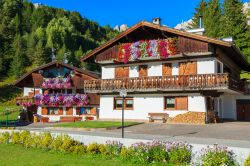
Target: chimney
[
  {"x": 157, "y": 21},
  {"x": 199, "y": 30}
]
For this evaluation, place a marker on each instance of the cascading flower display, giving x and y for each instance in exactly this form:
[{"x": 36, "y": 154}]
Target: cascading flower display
[
  {"x": 24, "y": 103},
  {"x": 56, "y": 83},
  {"x": 61, "y": 99},
  {"x": 147, "y": 48}
]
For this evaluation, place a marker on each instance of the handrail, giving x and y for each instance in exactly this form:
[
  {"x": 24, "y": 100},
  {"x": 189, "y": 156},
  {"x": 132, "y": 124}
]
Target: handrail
[{"x": 199, "y": 81}]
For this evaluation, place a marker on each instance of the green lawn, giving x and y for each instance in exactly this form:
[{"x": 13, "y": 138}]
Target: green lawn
[
  {"x": 16, "y": 155},
  {"x": 95, "y": 124},
  {"x": 11, "y": 116}
]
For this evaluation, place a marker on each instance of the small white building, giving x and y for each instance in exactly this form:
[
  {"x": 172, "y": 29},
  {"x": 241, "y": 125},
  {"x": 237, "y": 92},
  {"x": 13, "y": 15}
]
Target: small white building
[{"x": 191, "y": 77}]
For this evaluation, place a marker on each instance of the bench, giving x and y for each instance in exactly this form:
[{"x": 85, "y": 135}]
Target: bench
[
  {"x": 70, "y": 119},
  {"x": 158, "y": 116}
]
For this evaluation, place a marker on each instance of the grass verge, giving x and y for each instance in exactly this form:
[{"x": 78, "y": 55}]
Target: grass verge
[
  {"x": 96, "y": 124},
  {"x": 17, "y": 155}
]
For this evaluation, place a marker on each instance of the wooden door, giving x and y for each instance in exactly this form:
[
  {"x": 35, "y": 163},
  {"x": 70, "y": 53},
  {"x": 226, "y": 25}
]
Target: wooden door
[
  {"x": 143, "y": 70},
  {"x": 121, "y": 72},
  {"x": 167, "y": 69},
  {"x": 243, "y": 110}
]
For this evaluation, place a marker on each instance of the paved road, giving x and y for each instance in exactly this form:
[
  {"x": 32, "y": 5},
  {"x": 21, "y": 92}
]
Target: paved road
[{"x": 236, "y": 134}]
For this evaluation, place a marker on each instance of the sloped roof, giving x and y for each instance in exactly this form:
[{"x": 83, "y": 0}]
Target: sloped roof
[
  {"x": 86, "y": 72},
  {"x": 143, "y": 24}
]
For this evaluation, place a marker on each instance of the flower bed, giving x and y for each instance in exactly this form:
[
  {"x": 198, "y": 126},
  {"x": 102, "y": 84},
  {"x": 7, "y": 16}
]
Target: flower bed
[
  {"x": 56, "y": 83},
  {"x": 157, "y": 152},
  {"x": 67, "y": 100},
  {"x": 147, "y": 49}
]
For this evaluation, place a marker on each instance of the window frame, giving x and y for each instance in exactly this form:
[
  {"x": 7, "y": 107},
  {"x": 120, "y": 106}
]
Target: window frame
[
  {"x": 125, "y": 99},
  {"x": 165, "y": 103},
  {"x": 53, "y": 109}
]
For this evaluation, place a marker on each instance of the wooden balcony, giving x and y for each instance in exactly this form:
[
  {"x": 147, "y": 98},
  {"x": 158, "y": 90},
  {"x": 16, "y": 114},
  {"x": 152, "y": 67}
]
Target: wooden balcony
[{"x": 165, "y": 83}]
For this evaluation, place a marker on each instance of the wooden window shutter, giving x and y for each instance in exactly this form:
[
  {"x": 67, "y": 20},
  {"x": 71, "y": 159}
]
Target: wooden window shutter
[
  {"x": 182, "y": 67},
  {"x": 192, "y": 67},
  {"x": 143, "y": 71},
  {"x": 44, "y": 111},
  {"x": 181, "y": 103},
  {"x": 167, "y": 69},
  {"x": 187, "y": 68},
  {"x": 121, "y": 72},
  {"x": 60, "y": 111},
  {"x": 69, "y": 111},
  {"x": 77, "y": 110},
  {"x": 125, "y": 72}
]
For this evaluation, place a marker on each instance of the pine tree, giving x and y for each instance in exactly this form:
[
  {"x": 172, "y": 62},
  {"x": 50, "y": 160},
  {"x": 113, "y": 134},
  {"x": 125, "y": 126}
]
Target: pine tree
[
  {"x": 235, "y": 25},
  {"x": 199, "y": 11},
  {"x": 18, "y": 63},
  {"x": 213, "y": 19}
]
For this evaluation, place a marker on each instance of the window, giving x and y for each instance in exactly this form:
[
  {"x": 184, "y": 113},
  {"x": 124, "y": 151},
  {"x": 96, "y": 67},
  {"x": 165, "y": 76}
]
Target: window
[
  {"x": 169, "y": 102},
  {"x": 176, "y": 103},
  {"x": 219, "y": 67},
  {"x": 83, "y": 110},
  {"x": 53, "y": 111},
  {"x": 128, "y": 103}
]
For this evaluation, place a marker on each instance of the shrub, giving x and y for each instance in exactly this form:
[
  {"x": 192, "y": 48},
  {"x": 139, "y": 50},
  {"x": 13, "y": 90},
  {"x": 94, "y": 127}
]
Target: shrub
[
  {"x": 179, "y": 153},
  {"x": 79, "y": 149},
  {"x": 5, "y": 137},
  {"x": 127, "y": 152},
  {"x": 247, "y": 161},
  {"x": 45, "y": 140},
  {"x": 35, "y": 140},
  {"x": 217, "y": 156},
  {"x": 113, "y": 148},
  {"x": 24, "y": 136},
  {"x": 15, "y": 137},
  {"x": 57, "y": 142},
  {"x": 95, "y": 148},
  {"x": 68, "y": 143}
]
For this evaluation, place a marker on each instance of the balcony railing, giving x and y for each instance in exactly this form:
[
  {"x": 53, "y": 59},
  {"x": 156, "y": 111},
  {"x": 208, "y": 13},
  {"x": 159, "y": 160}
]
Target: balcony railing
[{"x": 165, "y": 83}]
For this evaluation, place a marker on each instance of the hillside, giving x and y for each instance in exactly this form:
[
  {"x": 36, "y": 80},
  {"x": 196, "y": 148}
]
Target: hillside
[{"x": 29, "y": 32}]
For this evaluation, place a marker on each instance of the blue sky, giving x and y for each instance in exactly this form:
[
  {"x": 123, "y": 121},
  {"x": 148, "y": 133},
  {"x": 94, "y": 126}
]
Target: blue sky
[{"x": 117, "y": 12}]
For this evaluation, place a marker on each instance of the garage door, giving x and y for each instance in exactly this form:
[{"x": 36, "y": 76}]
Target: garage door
[{"x": 243, "y": 110}]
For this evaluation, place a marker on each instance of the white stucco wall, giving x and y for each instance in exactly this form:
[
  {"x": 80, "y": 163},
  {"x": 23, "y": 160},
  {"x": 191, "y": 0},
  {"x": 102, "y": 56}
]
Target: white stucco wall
[
  {"x": 175, "y": 68},
  {"x": 133, "y": 71},
  {"x": 155, "y": 69},
  {"x": 145, "y": 105},
  {"x": 108, "y": 72},
  {"x": 206, "y": 66},
  {"x": 196, "y": 104}
]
